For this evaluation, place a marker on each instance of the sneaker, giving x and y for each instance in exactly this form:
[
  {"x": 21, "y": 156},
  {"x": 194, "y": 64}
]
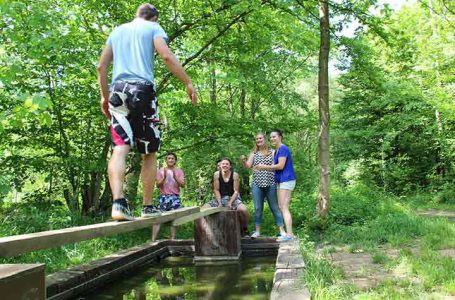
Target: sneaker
[
  {"x": 255, "y": 235},
  {"x": 285, "y": 238},
  {"x": 120, "y": 211},
  {"x": 150, "y": 211},
  {"x": 246, "y": 233}
]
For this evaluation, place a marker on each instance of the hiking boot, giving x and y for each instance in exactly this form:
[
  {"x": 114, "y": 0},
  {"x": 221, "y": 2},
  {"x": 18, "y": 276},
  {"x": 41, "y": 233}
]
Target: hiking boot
[
  {"x": 150, "y": 211},
  {"x": 121, "y": 211}
]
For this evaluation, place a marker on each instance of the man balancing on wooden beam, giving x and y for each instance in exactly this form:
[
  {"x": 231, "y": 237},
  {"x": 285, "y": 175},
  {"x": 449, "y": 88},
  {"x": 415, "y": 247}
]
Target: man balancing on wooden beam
[{"x": 130, "y": 103}]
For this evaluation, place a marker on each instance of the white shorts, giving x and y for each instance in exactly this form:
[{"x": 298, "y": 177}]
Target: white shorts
[{"x": 287, "y": 185}]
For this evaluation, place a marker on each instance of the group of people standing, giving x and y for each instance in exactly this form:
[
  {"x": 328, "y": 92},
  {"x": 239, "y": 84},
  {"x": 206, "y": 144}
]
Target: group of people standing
[{"x": 131, "y": 106}]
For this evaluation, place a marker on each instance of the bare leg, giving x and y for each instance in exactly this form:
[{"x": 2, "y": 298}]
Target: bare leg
[
  {"x": 173, "y": 232},
  {"x": 243, "y": 214},
  {"x": 148, "y": 174},
  {"x": 116, "y": 170},
  {"x": 155, "y": 231},
  {"x": 284, "y": 200}
]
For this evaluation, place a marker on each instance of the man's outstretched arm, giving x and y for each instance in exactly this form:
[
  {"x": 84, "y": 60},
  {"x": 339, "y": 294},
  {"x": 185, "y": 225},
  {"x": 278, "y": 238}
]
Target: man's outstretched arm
[
  {"x": 105, "y": 60},
  {"x": 175, "y": 67}
]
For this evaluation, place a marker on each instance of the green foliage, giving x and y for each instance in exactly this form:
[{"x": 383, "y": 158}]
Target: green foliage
[{"x": 395, "y": 117}]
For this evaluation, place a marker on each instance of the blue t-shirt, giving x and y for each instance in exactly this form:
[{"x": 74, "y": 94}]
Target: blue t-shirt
[
  {"x": 287, "y": 174},
  {"x": 134, "y": 53}
]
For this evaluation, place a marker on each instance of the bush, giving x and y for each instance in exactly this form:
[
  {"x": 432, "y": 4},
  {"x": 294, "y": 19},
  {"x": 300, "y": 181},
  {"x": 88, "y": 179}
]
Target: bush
[
  {"x": 354, "y": 205},
  {"x": 446, "y": 196}
]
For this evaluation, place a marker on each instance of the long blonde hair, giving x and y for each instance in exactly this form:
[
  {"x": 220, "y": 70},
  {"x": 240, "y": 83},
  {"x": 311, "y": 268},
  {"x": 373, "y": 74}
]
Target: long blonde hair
[{"x": 264, "y": 148}]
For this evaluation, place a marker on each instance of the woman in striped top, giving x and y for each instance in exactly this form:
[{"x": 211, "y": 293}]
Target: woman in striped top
[{"x": 263, "y": 185}]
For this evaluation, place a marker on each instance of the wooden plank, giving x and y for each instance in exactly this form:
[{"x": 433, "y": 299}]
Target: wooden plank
[
  {"x": 14, "y": 245},
  {"x": 204, "y": 212},
  {"x": 22, "y": 282},
  {"x": 261, "y": 246}
]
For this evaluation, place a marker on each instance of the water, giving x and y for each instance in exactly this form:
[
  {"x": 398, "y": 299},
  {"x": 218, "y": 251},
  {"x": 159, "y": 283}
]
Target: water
[{"x": 179, "y": 278}]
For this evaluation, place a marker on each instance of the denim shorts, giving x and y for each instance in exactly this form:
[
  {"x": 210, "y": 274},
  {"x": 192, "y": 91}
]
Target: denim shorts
[
  {"x": 287, "y": 185},
  {"x": 224, "y": 202}
]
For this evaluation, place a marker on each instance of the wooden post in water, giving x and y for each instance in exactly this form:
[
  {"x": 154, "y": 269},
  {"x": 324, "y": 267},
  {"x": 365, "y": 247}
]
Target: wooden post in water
[{"x": 217, "y": 237}]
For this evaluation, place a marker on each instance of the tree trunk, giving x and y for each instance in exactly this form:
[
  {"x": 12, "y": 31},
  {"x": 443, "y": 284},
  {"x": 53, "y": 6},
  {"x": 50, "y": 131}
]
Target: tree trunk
[
  {"x": 324, "y": 116},
  {"x": 91, "y": 188},
  {"x": 242, "y": 103},
  {"x": 132, "y": 180},
  {"x": 213, "y": 85},
  {"x": 440, "y": 169},
  {"x": 231, "y": 99}
]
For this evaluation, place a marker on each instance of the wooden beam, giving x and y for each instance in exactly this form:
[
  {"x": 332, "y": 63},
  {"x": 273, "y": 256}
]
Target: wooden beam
[
  {"x": 204, "y": 212},
  {"x": 18, "y": 244},
  {"x": 19, "y": 282}
]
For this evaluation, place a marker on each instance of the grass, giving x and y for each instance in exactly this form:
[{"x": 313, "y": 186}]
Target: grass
[
  {"x": 361, "y": 220},
  {"x": 389, "y": 223}
]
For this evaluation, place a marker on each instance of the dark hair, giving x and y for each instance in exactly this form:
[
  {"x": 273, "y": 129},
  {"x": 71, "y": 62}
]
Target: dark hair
[
  {"x": 173, "y": 154},
  {"x": 279, "y": 131},
  {"x": 146, "y": 11},
  {"x": 218, "y": 161},
  {"x": 225, "y": 158}
]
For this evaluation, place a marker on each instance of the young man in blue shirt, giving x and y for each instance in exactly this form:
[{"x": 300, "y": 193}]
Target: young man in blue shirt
[{"x": 131, "y": 105}]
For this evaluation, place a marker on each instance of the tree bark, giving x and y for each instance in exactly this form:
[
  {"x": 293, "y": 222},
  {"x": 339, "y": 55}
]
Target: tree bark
[
  {"x": 324, "y": 116},
  {"x": 213, "y": 84},
  {"x": 242, "y": 103},
  {"x": 91, "y": 188},
  {"x": 440, "y": 169},
  {"x": 132, "y": 180}
]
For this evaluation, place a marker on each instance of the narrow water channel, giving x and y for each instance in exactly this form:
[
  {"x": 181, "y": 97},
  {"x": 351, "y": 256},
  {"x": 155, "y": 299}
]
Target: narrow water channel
[{"x": 179, "y": 278}]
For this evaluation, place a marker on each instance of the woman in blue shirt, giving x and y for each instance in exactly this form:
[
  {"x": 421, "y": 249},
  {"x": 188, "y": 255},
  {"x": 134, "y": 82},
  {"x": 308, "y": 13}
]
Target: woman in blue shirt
[{"x": 285, "y": 177}]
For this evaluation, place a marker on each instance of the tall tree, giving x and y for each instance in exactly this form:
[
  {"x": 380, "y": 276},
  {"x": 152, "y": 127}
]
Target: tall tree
[{"x": 324, "y": 116}]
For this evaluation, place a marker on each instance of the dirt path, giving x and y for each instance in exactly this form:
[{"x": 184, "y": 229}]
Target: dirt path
[
  {"x": 434, "y": 213},
  {"x": 362, "y": 271}
]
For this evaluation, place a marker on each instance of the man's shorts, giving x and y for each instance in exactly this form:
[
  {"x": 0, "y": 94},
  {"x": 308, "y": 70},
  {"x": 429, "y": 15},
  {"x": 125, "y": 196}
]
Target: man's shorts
[
  {"x": 169, "y": 202},
  {"x": 224, "y": 202},
  {"x": 135, "y": 116}
]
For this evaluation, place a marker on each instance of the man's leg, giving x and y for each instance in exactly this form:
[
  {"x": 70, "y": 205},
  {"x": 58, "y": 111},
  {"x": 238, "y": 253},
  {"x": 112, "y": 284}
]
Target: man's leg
[
  {"x": 155, "y": 231},
  {"x": 116, "y": 170},
  {"x": 148, "y": 176},
  {"x": 173, "y": 232}
]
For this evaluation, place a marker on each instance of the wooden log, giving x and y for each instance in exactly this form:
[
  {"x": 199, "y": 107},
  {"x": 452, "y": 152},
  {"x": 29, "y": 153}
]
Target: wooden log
[
  {"x": 22, "y": 282},
  {"x": 218, "y": 235},
  {"x": 204, "y": 212},
  {"x": 14, "y": 245}
]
